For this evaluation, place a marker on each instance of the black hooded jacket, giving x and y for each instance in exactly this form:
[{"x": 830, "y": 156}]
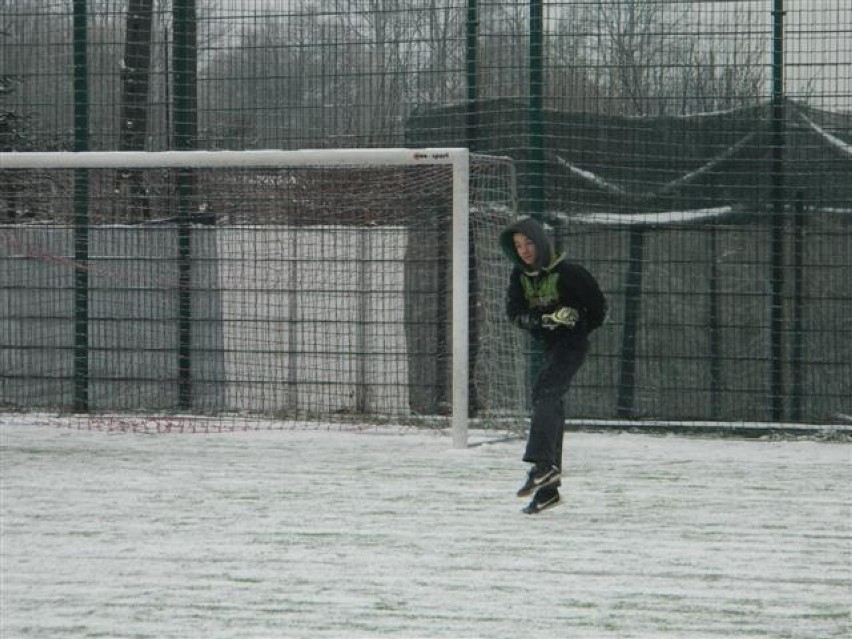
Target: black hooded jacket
[{"x": 550, "y": 283}]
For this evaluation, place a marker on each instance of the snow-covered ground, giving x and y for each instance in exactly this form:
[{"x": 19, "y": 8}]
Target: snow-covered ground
[{"x": 392, "y": 533}]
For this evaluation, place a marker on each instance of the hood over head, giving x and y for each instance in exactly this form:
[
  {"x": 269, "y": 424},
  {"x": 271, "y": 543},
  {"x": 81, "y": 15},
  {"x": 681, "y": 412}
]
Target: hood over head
[{"x": 538, "y": 235}]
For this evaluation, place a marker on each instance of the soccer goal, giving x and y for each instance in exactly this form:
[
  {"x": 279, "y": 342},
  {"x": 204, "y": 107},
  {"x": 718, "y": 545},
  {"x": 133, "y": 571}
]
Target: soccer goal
[{"x": 314, "y": 285}]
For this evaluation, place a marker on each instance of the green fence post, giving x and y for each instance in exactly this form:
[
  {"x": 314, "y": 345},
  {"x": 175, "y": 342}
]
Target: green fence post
[
  {"x": 536, "y": 88},
  {"x": 81, "y": 212},
  {"x": 186, "y": 125},
  {"x": 472, "y": 135},
  {"x": 535, "y": 163},
  {"x": 776, "y": 386},
  {"x": 472, "y": 63}
]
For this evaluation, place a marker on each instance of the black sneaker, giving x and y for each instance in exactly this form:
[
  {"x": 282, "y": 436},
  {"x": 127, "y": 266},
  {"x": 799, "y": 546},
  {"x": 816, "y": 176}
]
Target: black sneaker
[
  {"x": 540, "y": 475},
  {"x": 542, "y": 500}
]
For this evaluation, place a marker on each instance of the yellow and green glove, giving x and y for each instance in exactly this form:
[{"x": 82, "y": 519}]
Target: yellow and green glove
[{"x": 563, "y": 317}]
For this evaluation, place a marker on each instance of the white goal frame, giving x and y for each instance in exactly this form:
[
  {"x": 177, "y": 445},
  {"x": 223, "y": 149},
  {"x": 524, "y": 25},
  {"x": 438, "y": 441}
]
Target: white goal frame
[{"x": 457, "y": 158}]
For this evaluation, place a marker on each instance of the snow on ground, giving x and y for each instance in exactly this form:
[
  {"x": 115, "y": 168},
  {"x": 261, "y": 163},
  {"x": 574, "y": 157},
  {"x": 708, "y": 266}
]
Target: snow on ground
[{"x": 391, "y": 533}]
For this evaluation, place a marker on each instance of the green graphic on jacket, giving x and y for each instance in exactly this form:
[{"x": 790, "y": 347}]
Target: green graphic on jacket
[{"x": 542, "y": 291}]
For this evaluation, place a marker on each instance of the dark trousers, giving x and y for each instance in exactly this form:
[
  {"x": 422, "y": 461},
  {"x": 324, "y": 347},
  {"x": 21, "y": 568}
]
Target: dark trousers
[{"x": 561, "y": 361}]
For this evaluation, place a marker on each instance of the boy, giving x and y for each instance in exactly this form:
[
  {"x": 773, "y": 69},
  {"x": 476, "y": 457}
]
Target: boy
[{"x": 559, "y": 303}]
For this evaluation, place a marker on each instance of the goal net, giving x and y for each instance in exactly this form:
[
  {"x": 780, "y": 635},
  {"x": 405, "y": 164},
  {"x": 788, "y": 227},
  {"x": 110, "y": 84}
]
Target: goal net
[{"x": 330, "y": 286}]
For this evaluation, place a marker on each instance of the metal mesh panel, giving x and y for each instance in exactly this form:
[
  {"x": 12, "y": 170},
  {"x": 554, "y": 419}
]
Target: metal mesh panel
[
  {"x": 698, "y": 155},
  {"x": 290, "y": 291}
]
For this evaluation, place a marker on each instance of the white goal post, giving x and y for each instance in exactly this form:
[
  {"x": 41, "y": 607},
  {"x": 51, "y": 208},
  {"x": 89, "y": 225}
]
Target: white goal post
[{"x": 456, "y": 159}]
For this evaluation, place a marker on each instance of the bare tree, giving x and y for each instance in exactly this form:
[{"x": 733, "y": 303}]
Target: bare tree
[
  {"x": 727, "y": 73},
  {"x": 569, "y": 84},
  {"x": 442, "y": 34},
  {"x": 651, "y": 57},
  {"x": 268, "y": 82},
  {"x": 505, "y": 32},
  {"x": 372, "y": 79}
]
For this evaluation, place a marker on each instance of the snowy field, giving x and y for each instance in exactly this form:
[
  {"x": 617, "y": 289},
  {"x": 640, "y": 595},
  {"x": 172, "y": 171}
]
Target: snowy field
[{"x": 386, "y": 533}]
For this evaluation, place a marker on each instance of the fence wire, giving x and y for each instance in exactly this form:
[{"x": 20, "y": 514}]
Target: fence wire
[{"x": 696, "y": 155}]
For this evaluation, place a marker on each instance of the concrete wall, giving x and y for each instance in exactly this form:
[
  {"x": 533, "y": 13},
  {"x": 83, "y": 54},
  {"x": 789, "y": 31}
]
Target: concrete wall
[{"x": 284, "y": 320}]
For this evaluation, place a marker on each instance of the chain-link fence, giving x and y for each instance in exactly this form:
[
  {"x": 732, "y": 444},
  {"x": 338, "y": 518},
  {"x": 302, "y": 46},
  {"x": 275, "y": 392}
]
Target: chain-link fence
[{"x": 695, "y": 155}]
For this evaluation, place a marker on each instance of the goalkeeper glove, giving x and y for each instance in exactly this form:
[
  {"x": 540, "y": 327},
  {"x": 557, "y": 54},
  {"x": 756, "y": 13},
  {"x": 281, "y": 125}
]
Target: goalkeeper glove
[
  {"x": 529, "y": 321},
  {"x": 562, "y": 317}
]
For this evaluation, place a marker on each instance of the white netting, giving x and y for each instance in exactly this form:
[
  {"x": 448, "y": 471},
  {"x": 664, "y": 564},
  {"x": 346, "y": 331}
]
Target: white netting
[{"x": 286, "y": 292}]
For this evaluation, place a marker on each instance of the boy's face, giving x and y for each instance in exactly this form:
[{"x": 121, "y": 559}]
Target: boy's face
[{"x": 525, "y": 248}]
